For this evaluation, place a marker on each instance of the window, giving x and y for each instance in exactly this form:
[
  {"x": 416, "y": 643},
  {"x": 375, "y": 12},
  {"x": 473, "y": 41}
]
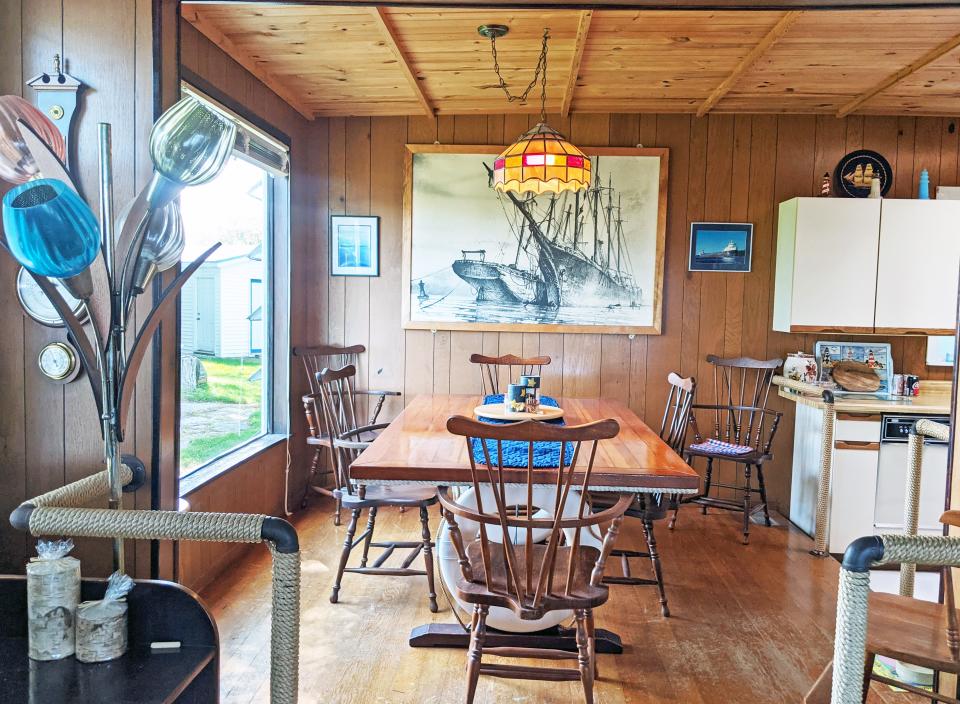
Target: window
[{"x": 226, "y": 324}]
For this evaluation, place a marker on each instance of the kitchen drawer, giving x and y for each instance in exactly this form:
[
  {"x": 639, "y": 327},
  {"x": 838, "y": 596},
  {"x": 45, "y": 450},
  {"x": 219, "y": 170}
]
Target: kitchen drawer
[{"x": 850, "y": 426}]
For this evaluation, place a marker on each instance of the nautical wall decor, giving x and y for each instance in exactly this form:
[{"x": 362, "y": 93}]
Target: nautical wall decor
[
  {"x": 587, "y": 261},
  {"x": 354, "y": 245},
  {"x": 721, "y": 246},
  {"x": 857, "y": 170}
]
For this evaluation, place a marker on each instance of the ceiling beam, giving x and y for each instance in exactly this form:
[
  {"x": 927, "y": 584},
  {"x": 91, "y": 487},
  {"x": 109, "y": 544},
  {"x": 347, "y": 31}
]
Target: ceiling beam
[
  {"x": 898, "y": 76},
  {"x": 389, "y": 33},
  {"x": 771, "y": 38},
  {"x": 194, "y": 16},
  {"x": 583, "y": 28}
]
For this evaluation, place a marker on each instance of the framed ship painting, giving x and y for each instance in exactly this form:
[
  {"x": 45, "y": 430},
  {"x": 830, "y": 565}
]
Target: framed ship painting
[
  {"x": 720, "y": 246},
  {"x": 476, "y": 259}
]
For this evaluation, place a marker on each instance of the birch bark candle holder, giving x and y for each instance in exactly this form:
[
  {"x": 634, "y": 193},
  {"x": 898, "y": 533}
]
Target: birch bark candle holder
[
  {"x": 53, "y": 593},
  {"x": 102, "y": 625}
]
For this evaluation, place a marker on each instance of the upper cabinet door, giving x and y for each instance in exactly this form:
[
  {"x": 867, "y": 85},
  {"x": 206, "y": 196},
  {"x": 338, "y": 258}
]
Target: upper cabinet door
[
  {"x": 918, "y": 266},
  {"x": 826, "y": 265}
]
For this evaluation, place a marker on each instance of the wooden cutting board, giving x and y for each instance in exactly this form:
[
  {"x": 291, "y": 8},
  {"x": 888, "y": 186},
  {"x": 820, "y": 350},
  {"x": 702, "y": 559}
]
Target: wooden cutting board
[{"x": 856, "y": 376}]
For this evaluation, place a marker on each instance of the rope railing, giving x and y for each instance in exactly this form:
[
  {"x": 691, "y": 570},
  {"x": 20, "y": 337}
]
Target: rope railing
[
  {"x": 850, "y": 644},
  {"x": 59, "y": 512},
  {"x": 922, "y": 429},
  {"x": 820, "y": 535}
]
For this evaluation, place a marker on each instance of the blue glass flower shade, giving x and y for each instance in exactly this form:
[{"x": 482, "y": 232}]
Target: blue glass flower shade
[
  {"x": 50, "y": 230},
  {"x": 190, "y": 143}
]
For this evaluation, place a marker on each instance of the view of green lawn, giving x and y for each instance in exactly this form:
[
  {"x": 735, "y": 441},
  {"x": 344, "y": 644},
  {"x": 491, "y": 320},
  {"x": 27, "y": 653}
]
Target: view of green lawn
[{"x": 223, "y": 414}]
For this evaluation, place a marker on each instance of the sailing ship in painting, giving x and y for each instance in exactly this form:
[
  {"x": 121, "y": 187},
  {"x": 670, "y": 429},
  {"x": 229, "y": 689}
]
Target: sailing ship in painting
[{"x": 570, "y": 251}]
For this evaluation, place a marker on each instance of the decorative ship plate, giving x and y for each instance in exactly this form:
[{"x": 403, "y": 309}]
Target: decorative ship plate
[{"x": 497, "y": 411}]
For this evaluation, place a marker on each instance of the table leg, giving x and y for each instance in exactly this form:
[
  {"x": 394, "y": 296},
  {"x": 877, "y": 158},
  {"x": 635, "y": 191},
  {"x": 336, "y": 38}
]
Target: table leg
[{"x": 451, "y": 635}]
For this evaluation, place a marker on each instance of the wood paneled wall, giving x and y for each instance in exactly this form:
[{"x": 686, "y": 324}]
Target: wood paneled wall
[
  {"x": 49, "y": 433},
  {"x": 722, "y": 167}
]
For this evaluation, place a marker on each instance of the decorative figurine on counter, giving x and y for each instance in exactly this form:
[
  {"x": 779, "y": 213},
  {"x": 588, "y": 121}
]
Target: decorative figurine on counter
[
  {"x": 825, "y": 186},
  {"x": 875, "y": 189},
  {"x": 923, "y": 191}
]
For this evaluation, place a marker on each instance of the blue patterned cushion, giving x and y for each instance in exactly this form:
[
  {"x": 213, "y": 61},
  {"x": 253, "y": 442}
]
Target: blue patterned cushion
[
  {"x": 720, "y": 447},
  {"x": 545, "y": 454}
]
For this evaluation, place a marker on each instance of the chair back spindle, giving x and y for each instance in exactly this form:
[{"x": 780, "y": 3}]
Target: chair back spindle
[
  {"x": 490, "y": 368},
  {"x": 531, "y": 578}
]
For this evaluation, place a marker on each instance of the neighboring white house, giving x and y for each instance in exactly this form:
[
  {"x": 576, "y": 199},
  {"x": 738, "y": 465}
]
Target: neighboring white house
[{"x": 221, "y": 311}]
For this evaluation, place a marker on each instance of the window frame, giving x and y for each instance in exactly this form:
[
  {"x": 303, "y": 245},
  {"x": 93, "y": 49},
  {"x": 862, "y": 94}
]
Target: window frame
[{"x": 276, "y": 296}]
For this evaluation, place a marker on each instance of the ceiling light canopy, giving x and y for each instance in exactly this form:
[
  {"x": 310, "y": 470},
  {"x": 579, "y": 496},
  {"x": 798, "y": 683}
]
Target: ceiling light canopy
[{"x": 542, "y": 160}]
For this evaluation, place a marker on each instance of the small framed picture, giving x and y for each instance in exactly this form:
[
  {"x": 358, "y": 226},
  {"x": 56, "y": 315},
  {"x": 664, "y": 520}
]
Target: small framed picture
[
  {"x": 354, "y": 245},
  {"x": 720, "y": 246}
]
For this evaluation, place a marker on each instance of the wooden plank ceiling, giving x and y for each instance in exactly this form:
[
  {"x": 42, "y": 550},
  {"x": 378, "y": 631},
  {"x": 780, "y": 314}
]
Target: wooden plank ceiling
[{"x": 355, "y": 60}]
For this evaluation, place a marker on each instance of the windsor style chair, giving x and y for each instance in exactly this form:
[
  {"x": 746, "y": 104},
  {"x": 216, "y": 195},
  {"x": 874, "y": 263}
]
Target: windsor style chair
[
  {"x": 743, "y": 433},
  {"x": 532, "y": 578},
  {"x": 910, "y": 630},
  {"x": 654, "y": 507},
  {"x": 490, "y": 368},
  {"x": 349, "y": 438},
  {"x": 314, "y": 360}
]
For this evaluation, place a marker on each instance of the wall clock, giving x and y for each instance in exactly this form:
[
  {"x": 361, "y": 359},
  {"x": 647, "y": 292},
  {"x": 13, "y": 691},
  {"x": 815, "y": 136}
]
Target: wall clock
[
  {"x": 59, "y": 362},
  {"x": 36, "y": 304},
  {"x": 857, "y": 170}
]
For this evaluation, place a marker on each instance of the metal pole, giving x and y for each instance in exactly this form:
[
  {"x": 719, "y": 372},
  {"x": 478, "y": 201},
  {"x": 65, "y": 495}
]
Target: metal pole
[{"x": 112, "y": 353}]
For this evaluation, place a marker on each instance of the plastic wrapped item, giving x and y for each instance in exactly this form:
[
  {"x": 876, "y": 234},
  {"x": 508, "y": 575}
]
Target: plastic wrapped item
[
  {"x": 102, "y": 625},
  {"x": 53, "y": 594}
]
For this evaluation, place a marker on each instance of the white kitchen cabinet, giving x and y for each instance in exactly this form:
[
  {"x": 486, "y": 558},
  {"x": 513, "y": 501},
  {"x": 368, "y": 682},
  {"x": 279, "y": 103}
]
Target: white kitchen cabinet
[
  {"x": 883, "y": 266},
  {"x": 854, "y": 474},
  {"x": 826, "y": 265},
  {"x": 918, "y": 266}
]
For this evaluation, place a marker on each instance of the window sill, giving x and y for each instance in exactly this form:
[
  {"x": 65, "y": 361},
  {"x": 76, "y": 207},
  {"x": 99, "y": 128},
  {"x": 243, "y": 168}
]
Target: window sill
[{"x": 223, "y": 465}]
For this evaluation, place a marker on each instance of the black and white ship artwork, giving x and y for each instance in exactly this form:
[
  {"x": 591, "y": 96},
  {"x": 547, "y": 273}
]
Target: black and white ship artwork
[{"x": 562, "y": 259}]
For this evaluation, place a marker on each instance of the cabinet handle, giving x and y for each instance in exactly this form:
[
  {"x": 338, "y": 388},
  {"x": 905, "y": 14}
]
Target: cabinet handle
[{"x": 856, "y": 445}]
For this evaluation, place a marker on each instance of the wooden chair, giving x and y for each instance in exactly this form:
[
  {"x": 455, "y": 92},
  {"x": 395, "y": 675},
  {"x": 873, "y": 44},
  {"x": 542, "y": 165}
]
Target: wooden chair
[
  {"x": 653, "y": 507},
  {"x": 490, "y": 368},
  {"x": 743, "y": 433},
  {"x": 314, "y": 360},
  {"x": 911, "y": 630},
  {"x": 337, "y": 397},
  {"x": 530, "y": 578}
]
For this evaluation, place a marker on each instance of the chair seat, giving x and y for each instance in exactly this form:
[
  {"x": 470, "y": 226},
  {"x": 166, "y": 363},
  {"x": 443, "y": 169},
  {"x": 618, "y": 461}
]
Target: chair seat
[
  {"x": 390, "y": 495},
  {"x": 911, "y": 630},
  {"x": 717, "y": 450},
  {"x": 582, "y": 595}
]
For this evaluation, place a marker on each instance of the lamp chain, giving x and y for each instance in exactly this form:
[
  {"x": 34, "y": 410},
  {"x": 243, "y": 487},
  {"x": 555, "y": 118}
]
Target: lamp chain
[{"x": 539, "y": 75}]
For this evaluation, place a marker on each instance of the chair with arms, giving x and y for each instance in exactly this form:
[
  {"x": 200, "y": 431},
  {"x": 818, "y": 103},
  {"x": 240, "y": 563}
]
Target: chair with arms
[
  {"x": 653, "y": 507},
  {"x": 349, "y": 439},
  {"x": 743, "y": 433},
  {"x": 490, "y": 368},
  {"x": 316, "y": 359},
  {"x": 528, "y": 577}
]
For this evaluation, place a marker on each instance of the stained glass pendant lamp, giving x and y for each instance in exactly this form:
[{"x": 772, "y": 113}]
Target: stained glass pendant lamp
[{"x": 542, "y": 160}]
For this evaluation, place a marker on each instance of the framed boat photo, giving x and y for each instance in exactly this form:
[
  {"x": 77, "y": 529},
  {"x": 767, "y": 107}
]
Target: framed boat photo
[
  {"x": 588, "y": 262},
  {"x": 721, "y": 246}
]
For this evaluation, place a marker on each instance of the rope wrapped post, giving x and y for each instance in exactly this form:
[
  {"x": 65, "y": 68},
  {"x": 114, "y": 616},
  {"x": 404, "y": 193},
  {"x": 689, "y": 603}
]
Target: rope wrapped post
[
  {"x": 57, "y": 513},
  {"x": 850, "y": 643},
  {"x": 823, "y": 485}
]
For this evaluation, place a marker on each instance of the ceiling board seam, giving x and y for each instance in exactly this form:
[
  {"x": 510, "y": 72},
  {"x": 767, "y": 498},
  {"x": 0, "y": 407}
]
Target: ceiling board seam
[
  {"x": 771, "y": 38},
  {"x": 195, "y": 17},
  {"x": 583, "y": 30},
  {"x": 389, "y": 32},
  {"x": 896, "y": 77}
]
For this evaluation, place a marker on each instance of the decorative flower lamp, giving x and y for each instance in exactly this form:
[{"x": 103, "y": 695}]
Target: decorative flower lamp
[
  {"x": 189, "y": 145},
  {"x": 541, "y": 161},
  {"x": 17, "y": 164},
  {"x": 163, "y": 243},
  {"x": 51, "y": 231}
]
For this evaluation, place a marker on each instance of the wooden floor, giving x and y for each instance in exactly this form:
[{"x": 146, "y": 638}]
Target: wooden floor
[{"x": 750, "y": 624}]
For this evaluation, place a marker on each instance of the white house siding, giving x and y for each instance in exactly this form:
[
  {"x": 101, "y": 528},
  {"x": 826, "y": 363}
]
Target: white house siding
[{"x": 188, "y": 317}]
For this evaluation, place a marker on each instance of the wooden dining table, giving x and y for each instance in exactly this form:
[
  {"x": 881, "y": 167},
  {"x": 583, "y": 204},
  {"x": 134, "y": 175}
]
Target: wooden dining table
[{"x": 416, "y": 448}]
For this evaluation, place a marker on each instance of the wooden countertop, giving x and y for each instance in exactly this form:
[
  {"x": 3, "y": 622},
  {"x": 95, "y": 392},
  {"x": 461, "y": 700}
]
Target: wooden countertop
[{"x": 934, "y": 399}]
